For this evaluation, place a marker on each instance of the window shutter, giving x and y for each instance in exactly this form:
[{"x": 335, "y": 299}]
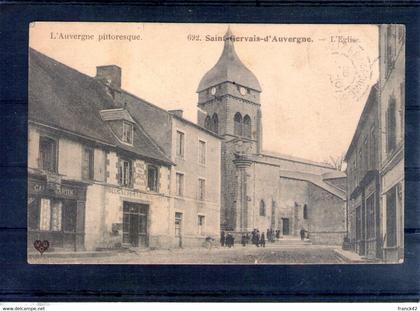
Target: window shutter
[
  {"x": 119, "y": 174},
  {"x": 85, "y": 164}
]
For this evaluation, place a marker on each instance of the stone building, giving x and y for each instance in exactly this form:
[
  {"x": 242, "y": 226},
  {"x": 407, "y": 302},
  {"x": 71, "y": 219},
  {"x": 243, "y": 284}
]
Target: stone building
[
  {"x": 263, "y": 190},
  {"x": 98, "y": 180},
  {"x": 391, "y": 114},
  {"x": 363, "y": 187},
  {"x": 194, "y": 211}
]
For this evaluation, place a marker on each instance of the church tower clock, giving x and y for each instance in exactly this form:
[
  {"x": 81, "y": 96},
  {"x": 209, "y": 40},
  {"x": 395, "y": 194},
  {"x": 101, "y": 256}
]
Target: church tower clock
[{"x": 229, "y": 105}]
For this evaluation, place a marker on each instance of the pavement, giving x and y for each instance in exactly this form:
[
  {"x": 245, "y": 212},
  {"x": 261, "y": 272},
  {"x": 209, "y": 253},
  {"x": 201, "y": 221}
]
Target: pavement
[{"x": 274, "y": 253}]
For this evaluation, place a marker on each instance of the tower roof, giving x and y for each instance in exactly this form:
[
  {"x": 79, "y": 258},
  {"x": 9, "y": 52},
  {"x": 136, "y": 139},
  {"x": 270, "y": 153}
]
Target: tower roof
[{"x": 229, "y": 68}]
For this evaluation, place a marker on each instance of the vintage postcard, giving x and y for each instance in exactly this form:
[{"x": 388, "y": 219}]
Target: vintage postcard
[{"x": 154, "y": 143}]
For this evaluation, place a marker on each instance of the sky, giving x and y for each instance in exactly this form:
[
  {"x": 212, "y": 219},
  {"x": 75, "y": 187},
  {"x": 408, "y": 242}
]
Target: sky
[{"x": 312, "y": 92}]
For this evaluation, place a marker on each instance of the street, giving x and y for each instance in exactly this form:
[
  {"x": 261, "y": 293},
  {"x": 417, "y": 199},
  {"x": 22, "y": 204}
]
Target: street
[{"x": 271, "y": 254}]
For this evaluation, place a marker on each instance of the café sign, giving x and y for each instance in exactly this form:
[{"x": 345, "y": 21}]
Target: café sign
[{"x": 59, "y": 190}]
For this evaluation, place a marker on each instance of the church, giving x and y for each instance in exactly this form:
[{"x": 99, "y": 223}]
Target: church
[{"x": 260, "y": 189}]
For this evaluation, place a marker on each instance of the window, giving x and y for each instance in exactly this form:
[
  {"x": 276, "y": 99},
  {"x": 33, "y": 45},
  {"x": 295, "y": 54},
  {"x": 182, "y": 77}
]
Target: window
[
  {"x": 48, "y": 154},
  {"x": 125, "y": 173},
  {"x": 358, "y": 223},
  {"x": 305, "y": 211},
  {"x": 237, "y": 126},
  {"x": 45, "y": 215},
  {"x": 390, "y": 125},
  {"x": 370, "y": 209},
  {"x": 202, "y": 152},
  {"x": 56, "y": 215},
  {"x": 390, "y": 47},
  {"x": 201, "y": 223},
  {"x": 360, "y": 166},
  {"x": 87, "y": 164},
  {"x": 50, "y": 215},
  {"x": 215, "y": 122},
  {"x": 247, "y": 126},
  {"x": 152, "y": 178},
  {"x": 391, "y": 218},
  {"x": 402, "y": 98},
  {"x": 262, "y": 208},
  {"x": 207, "y": 123},
  {"x": 365, "y": 153},
  {"x": 201, "y": 189},
  {"x": 180, "y": 144},
  {"x": 33, "y": 213},
  {"x": 179, "y": 184},
  {"x": 372, "y": 147},
  {"x": 127, "y": 133}
]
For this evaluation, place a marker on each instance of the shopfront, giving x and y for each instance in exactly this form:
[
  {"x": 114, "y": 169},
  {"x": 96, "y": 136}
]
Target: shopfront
[{"x": 56, "y": 213}]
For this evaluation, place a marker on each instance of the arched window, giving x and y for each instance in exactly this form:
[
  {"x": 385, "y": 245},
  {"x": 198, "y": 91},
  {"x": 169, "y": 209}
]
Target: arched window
[
  {"x": 215, "y": 121},
  {"x": 247, "y": 126},
  {"x": 305, "y": 211},
  {"x": 207, "y": 123},
  {"x": 237, "y": 128},
  {"x": 262, "y": 208}
]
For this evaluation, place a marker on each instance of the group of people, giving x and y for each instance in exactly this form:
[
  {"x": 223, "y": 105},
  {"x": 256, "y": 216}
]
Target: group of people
[
  {"x": 255, "y": 237},
  {"x": 227, "y": 240}
]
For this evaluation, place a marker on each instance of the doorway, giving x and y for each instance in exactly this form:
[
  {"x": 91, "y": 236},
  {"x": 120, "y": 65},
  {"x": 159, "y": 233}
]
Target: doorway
[
  {"x": 178, "y": 229},
  {"x": 286, "y": 227},
  {"x": 135, "y": 224}
]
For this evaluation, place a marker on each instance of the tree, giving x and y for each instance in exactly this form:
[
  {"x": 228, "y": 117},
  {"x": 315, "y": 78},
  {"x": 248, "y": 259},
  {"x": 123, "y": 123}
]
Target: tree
[{"x": 337, "y": 162}]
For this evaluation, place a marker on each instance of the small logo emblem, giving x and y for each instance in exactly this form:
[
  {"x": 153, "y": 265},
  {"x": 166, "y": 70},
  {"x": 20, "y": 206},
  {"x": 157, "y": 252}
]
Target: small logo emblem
[{"x": 41, "y": 246}]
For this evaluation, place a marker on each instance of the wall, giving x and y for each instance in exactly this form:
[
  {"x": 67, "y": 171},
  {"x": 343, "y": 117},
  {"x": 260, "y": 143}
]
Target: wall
[
  {"x": 392, "y": 164},
  {"x": 104, "y": 206},
  {"x": 293, "y": 195},
  {"x": 189, "y": 204},
  {"x": 265, "y": 186},
  {"x": 70, "y": 158},
  {"x": 33, "y": 147},
  {"x": 327, "y": 217}
]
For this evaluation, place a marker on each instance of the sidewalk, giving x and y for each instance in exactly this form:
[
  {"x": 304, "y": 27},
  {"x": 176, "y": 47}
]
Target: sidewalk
[{"x": 352, "y": 257}]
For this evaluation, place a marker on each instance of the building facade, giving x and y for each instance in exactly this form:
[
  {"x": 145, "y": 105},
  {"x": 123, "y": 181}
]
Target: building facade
[
  {"x": 363, "y": 187},
  {"x": 262, "y": 190},
  {"x": 391, "y": 107},
  {"x": 98, "y": 180},
  {"x": 195, "y": 151},
  {"x": 375, "y": 158}
]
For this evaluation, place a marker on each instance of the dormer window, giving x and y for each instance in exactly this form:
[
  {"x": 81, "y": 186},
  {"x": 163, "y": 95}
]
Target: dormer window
[
  {"x": 121, "y": 123},
  {"x": 127, "y": 136}
]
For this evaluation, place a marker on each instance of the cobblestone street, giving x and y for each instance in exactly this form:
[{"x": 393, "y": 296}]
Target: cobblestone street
[{"x": 271, "y": 254}]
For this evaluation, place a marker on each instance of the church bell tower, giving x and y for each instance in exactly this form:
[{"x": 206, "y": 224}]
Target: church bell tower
[{"x": 229, "y": 105}]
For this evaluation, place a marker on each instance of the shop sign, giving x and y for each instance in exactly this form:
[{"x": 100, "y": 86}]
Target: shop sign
[
  {"x": 126, "y": 192},
  {"x": 56, "y": 189}
]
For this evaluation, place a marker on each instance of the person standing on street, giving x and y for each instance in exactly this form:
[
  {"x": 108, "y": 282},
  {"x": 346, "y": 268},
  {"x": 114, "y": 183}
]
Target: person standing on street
[
  {"x": 262, "y": 240},
  {"x": 222, "y": 239},
  {"x": 302, "y": 234}
]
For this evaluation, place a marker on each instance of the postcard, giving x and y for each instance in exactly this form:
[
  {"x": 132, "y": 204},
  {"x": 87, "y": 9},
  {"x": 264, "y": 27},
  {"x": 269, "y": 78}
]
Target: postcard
[{"x": 171, "y": 143}]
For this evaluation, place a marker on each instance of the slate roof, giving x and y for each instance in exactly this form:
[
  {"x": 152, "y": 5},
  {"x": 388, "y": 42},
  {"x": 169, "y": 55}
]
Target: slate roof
[
  {"x": 316, "y": 180},
  {"x": 276, "y": 155},
  {"x": 229, "y": 68},
  {"x": 64, "y": 98}
]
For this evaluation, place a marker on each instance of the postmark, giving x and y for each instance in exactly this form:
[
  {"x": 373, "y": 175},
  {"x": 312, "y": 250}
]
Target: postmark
[{"x": 345, "y": 64}]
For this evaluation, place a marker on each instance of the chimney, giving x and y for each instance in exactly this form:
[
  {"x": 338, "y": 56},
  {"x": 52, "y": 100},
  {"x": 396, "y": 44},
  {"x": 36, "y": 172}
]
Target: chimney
[
  {"x": 177, "y": 112},
  {"x": 110, "y": 74}
]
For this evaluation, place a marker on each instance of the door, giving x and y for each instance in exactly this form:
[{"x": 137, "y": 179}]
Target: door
[
  {"x": 362, "y": 249},
  {"x": 178, "y": 229},
  {"x": 135, "y": 224},
  {"x": 286, "y": 229},
  {"x": 133, "y": 232}
]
